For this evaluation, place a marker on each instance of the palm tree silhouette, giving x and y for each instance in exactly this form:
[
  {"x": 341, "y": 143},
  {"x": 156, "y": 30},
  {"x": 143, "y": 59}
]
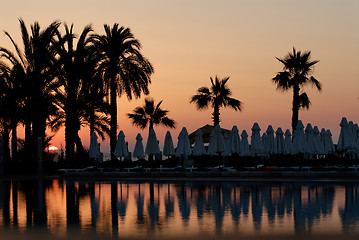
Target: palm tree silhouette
[
  {"x": 75, "y": 68},
  {"x": 150, "y": 114},
  {"x": 5, "y": 110},
  {"x": 34, "y": 62},
  {"x": 296, "y": 73},
  {"x": 10, "y": 104},
  {"x": 125, "y": 69},
  {"x": 218, "y": 95},
  {"x": 70, "y": 67}
]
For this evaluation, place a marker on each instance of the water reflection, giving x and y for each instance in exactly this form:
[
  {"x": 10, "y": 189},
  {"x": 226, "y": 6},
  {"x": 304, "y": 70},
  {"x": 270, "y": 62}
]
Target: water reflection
[{"x": 120, "y": 209}]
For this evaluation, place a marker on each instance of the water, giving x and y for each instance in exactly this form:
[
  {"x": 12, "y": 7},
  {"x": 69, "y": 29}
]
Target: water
[{"x": 179, "y": 210}]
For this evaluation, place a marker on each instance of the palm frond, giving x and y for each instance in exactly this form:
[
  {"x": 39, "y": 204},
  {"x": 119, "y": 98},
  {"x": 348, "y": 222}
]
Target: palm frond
[
  {"x": 282, "y": 80},
  {"x": 304, "y": 101},
  {"x": 316, "y": 83}
]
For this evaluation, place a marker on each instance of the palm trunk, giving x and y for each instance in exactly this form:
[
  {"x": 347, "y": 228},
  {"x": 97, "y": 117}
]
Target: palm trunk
[
  {"x": 70, "y": 121},
  {"x": 215, "y": 115},
  {"x": 14, "y": 142},
  {"x": 39, "y": 126},
  {"x": 113, "y": 112},
  {"x": 79, "y": 146},
  {"x": 69, "y": 136},
  {"x": 295, "y": 107},
  {"x": 92, "y": 119},
  {"x": 28, "y": 149},
  {"x": 150, "y": 156},
  {"x": 6, "y": 139}
]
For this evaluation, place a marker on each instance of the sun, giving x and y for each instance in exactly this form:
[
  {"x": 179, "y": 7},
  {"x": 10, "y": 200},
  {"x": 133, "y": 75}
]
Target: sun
[{"x": 53, "y": 148}]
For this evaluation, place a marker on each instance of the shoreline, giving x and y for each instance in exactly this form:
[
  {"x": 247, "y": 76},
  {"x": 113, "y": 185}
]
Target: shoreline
[{"x": 247, "y": 176}]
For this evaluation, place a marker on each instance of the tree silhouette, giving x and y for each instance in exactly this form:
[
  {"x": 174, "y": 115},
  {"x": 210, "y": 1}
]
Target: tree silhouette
[
  {"x": 70, "y": 67},
  {"x": 34, "y": 66},
  {"x": 125, "y": 69},
  {"x": 5, "y": 107},
  {"x": 75, "y": 68},
  {"x": 150, "y": 114},
  {"x": 296, "y": 73},
  {"x": 217, "y": 96}
]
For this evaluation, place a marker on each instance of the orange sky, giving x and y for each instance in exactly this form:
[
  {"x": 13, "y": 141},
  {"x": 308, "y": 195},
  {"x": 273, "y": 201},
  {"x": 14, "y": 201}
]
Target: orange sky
[{"x": 189, "y": 41}]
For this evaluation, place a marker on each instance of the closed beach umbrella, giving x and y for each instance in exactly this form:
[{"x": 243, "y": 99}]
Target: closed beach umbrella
[
  {"x": 279, "y": 141},
  {"x": 227, "y": 147},
  {"x": 219, "y": 140},
  {"x": 353, "y": 140},
  {"x": 309, "y": 137},
  {"x": 94, "y": 151},
  {"x": 264, "y": 143},
  {"x": 168, "y": 149},
  {"x": 256, "y": 144},
  {"x": 344, "y": 142},
  {"x": 234, "y": 140},
  {"x": 138, "y": 151},
  {"x": 324, "y": 141},
  {"x": 288, "y": 145},
  {"x": 330, "y": 140},
  {"x": 183, "y": 145},
  {"x": 270, "y": 143},
  {"x": 356, "y": 128},
  {"x": 121, "y": 148},
  {"x": 152, "y": 147},
  {"x": 198, "y": 148},
  {"x": 318, "y": 146},
  {"x": 216, "y": 142},
  {"x": 244, "y": 146},
  {"x": 355, "y": 136},
  {"x": 210, "y": 150},
  {"x": 299, "y": 142}
]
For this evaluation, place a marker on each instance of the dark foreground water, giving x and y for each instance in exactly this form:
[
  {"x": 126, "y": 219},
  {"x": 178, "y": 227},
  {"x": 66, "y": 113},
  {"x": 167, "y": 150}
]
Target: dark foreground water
[{"x": 178, "y": 210}]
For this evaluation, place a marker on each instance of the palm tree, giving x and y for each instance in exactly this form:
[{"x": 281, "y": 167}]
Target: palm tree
[
  {"x": 296, "y": 73},
  {"x": 150, "y": 114},
  {"x": 10, "y": 103},
  {"x": 5, "y": 110},
  {"x": 218, "y": 95},
  {"x": 75, "y": 69},
  {"x": 34, "y": 64},
  {"x": 70, "y": 70},
  {"x": 125, "y": 69}
]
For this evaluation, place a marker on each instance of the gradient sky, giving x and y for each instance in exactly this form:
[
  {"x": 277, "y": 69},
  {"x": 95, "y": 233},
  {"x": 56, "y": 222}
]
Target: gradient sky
[{"x": 189, "y": 41}]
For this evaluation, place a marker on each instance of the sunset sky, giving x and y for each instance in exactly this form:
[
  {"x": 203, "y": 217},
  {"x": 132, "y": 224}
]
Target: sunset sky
[{"x": 189, "y": 41}]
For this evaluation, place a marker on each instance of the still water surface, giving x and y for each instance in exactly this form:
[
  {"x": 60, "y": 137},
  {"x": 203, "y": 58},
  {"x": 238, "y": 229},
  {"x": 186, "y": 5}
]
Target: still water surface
[{"x": 117, "y": 209}]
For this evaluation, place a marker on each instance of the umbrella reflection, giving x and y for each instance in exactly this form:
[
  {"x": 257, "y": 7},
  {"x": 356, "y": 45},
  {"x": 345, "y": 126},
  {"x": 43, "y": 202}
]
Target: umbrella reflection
[
  {"x": 184, "y": 205},
  {"x": 126, "y": 209},
  {"x": 350, "y": 214}
]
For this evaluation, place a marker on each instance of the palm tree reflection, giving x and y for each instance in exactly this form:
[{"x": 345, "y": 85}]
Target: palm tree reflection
[
  {"x": 169, "y": 202},
  {"x": 219, "y": 206},
  {"x": 114, "y": 209}
]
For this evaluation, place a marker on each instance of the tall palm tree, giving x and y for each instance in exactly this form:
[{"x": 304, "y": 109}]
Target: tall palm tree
[
  {"x": 75, "y": 69},
  {"x": 296, "y": 73},
  {"x": 123, "y": 66},
  {"x": 5, "y": 110},
  {"x": 35, "y": 61},
  {"x": 217, "y": 96},
  {"x": 70, "y": 70},
  {"x": 11, "y": 102},
  {"x": 150, "y": 114}
]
